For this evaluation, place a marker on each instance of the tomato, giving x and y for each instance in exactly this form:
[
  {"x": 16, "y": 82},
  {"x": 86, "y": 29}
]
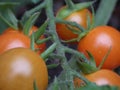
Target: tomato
[
  {"x": 98, "y": 42},
  {"x": 79, "y": 17},
  {"x": 13, "y": 40},
  {"x": 11, "y": 31},
  {"x": 101, "y": 77},
  {"x": 20, "y": 67}
]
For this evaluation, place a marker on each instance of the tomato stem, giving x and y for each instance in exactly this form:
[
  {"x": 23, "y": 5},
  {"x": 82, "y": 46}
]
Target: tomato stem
[
  {"x": 69, "y": 4},
  {"x": 47, "y": 52}
]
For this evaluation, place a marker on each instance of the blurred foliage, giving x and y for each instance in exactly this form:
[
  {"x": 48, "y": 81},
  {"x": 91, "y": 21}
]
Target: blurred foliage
[{"x": 15, "y": 7}]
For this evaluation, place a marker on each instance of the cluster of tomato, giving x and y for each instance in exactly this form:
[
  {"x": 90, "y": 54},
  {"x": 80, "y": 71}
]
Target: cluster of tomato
[
  {"x": 99, "y": 41},
  {"x": 20, "y": 66}
]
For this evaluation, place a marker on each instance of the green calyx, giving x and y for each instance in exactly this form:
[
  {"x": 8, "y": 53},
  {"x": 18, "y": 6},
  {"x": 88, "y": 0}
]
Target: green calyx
[
  {"x": 66, "y": 11},
  {"x": 90, "y": 66},
  {"x": 87, "y": 67}
]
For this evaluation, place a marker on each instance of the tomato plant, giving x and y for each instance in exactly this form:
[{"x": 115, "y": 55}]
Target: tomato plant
[
  {"x": 98, "y": 41},
  {"x": 12, "y": 38},
  {"x": 101, "y": 77},
  {"x": 79, "y": 17},
  {"x": 57, "y": 54},
  {"x": 21, "y": 68}
]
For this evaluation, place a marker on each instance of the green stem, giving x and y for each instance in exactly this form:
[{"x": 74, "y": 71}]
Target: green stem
[
  {"x": 60, "y": 50},
  {"x": 79, "y": 54},
  {"x": 47, "y": 52},
  {"x": 69, "y": 4},
  {"x": 32, "y": 11}
]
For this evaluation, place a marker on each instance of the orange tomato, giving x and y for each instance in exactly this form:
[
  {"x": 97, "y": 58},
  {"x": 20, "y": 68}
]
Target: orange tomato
[
  {"x": 41, "y": 47},
  {"x": 98, "y": 41},
  {"x": 79, "y": 17},
  {"x": 101, "y": 77},
  {"x": 14, "y": 40}
]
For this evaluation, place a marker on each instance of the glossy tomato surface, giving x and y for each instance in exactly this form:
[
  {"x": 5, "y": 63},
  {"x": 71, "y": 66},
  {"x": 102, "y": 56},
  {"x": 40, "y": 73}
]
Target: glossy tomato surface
[
  {"x": 20, "y": 67},
  {"x": 98, "y": 42},
  {"x": 79, "y": 17},
  {"x": 25, "y": 42},
  {"x": 101, "y": 77},
  {"x": 14, "y": 40}
]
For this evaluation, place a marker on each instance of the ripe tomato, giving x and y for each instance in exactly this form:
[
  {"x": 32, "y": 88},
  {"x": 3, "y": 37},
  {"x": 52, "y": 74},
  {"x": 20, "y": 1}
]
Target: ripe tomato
[
  {"x": 79, "y": 17},
  {"x": 41, "y": 47},
  {"x": 13, "y": 40},
  {"x": 98, "y": 41},
  {"x": 20, "y": 67},
  {"x": 101, "y": 77}
]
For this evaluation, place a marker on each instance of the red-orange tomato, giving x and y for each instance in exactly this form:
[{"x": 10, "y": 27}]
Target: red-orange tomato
[
  {"x": 98, "y": 42},
  {"x": 41, "y": 47},
  {"x": 14, "y": 40},
  {"x": 79, "y": 17},
  {"x": 101, "y": 77}
]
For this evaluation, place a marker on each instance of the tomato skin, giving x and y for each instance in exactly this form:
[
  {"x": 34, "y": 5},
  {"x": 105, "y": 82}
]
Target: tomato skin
[
  {"x": 26, "y": 42},
  {"x": 98, "y": 42},
  {"x": 79, "y": 17},
  {"x": 20, "y": 67},
  {"x": 101, "y": 77},
  {"x": 14, "y": 40}
]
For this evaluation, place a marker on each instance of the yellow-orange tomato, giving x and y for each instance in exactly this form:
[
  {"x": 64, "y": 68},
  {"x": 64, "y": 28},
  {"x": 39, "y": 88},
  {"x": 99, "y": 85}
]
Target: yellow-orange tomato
[
  {"x": 101, "y": 77},
  {"x": 20, "y": 67},
  {"x": 98, "y": 42},
  {"x": 79, "y": 17}
]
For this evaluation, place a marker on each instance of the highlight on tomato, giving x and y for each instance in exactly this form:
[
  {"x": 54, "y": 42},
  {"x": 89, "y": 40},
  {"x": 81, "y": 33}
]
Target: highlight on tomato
[
  {"x": 101, "y": 77},
  {"x": 80, "y": 17},
  {"x": 98, "y": 42},
  {"x": 12, "y": 38},
  {"x": 20, "y": 68}
]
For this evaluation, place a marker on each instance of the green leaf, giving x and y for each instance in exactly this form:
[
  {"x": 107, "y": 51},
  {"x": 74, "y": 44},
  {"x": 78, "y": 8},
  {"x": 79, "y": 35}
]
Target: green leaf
[
  {"x": 8, "y": 17},
  {"x": 40, "y": 31},
  {"x": 104, "y": 12},
  {"x": 32, "y": 42},
  {"x": 28, "y": 13},
  {"x": 30, "y": 22},
  {"x": 6, "y": 5}
]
